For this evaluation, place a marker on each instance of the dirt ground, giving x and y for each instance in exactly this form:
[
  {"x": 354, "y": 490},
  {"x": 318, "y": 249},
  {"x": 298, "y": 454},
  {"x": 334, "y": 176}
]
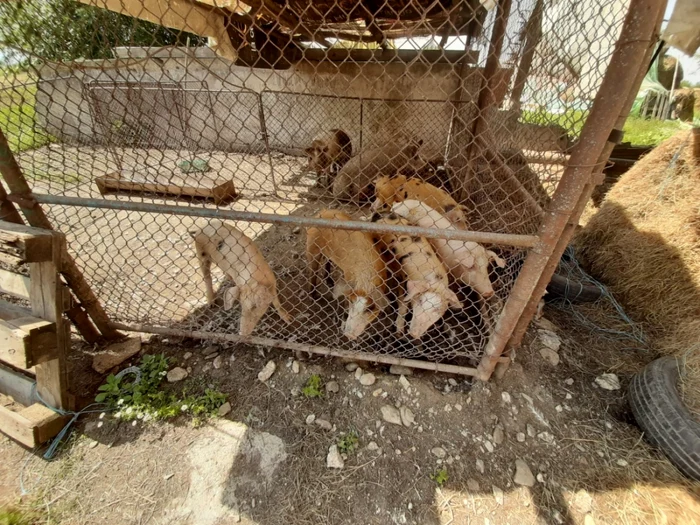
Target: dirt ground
[{"x": 265, "y": 462}]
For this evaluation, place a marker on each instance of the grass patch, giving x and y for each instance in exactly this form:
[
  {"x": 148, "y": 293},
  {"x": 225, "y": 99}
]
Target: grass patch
[
  {"x": 10, "y": 516},
  {"x": 146, "y": 400},
  {"x": 348, "y": 443},
  {"x": 17, "y": 113},
  {"x": 312, "y": 388},
  {"x": 440, "y": 476},
  {"x": 572, "y": 120},
  {"x": 651, "y": 132}
]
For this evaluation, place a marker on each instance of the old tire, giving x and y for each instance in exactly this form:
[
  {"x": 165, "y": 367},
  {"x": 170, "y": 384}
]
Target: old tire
[
  {"x": 662, "y": 415},
  {"x": 573, "y": 291}
]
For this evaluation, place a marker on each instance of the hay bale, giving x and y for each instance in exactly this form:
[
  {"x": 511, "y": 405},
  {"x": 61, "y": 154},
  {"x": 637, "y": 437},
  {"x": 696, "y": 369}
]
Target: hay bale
[
  {"x": 665, "y": 71},
  {"x": 644, "y": 243}
]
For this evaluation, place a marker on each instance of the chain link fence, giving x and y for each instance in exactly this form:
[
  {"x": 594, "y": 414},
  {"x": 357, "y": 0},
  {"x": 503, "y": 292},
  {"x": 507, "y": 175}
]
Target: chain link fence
[{"x": 381, "y": 169}]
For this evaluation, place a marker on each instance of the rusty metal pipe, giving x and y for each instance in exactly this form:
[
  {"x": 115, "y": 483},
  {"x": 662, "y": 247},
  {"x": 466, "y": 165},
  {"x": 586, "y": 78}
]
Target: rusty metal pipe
[{"x": 619, "y": 80}]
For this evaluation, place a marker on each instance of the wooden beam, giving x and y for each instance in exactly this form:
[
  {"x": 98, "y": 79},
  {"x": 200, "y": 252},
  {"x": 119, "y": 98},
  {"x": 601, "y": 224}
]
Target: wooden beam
[
  {"x": 285, "y": 18},
  {"x": 32, "y": 425},
  {"x": 176, "y": 14},
  {"x": 14, "y": 284},
  {"x": 17, "y": 385},
  {"x": 27, "y": 243},
  {"x": 26, "y": 341}
]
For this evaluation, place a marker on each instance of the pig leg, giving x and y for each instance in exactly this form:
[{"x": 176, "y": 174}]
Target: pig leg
[
  {"x": 281, "y": 311},
  {"x": 231, "y": 295},
  {"x": 313, "y": 259},
  {"x": 205, "y": 267},
  {"x": 401, "y": 316}
]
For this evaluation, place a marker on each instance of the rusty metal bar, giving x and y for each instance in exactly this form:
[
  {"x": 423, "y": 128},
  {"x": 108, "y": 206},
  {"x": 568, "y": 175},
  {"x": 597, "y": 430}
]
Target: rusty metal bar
[
  {"x": 620, "y": 79},
  {"x": 564, "y": 240},
  {"x": 36, "y": 217},
  {"x": 521, "y": 241},
  {"x": 298, "y": 347}
]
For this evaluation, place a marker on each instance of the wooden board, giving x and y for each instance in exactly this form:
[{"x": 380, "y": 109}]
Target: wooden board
[
  {"x": 14, "y": 284},
  {"x": 16, "y": 385},
  {"x": 220, "y": 190},
  {"x": 24, "y": 242},
  {"x": 30, "y": 426},
  {"x": 25, "y": 340}
]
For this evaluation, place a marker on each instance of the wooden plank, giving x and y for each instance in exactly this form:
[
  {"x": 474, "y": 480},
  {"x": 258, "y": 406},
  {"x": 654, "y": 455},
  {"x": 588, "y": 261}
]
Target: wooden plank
[
  {"x": 9, "y": 311},
  {"x": 32, "y": 425},
  {"x": 28, "y": 243},
  {"x": 17, "y": 427},
  {"x": 16, "y": 385},
  {"x": 26, "y": 341},
  {"x": 14, "y": 284}
]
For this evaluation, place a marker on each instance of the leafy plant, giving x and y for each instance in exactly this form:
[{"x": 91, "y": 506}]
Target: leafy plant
[
  {"x": 313, "y": 387},
  {"x": 10, "y": 516},
  {"x": 440, "y": 476},
  {"x": 348, "y": 443}
]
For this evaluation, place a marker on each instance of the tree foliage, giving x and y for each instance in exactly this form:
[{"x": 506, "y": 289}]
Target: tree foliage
[{"x": 64, "y": 30}]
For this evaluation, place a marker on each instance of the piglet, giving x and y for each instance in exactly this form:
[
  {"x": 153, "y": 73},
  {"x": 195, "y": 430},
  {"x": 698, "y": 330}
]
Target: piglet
[{"x": 240, "y": 259}]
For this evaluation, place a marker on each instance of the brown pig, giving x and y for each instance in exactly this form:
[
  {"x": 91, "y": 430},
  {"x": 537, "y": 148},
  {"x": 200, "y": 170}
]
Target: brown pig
[
  {"x": 426, "y": 278},
  {"x": 328, "y": 153},
  {"x": 356, "y": 177},
  {"x": 363, "y": 270},
  {"x": 240, "y": 259},
  {"x": 467, "y": 261}
]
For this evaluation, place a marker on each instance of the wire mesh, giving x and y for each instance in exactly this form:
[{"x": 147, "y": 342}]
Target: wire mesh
[{"x": 293, "y": 108}]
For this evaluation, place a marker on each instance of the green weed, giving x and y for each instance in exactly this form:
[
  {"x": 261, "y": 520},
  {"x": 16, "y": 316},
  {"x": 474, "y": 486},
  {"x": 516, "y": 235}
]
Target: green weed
[
  {"x": 18, "y": 117},
  {"x": 348, "y": 443},
  {"x": 9, "y": 516},
  {"x": 651, "y": 132},
  {"x": 440, "y": 477},
  {"x": 313, "y": 387}
]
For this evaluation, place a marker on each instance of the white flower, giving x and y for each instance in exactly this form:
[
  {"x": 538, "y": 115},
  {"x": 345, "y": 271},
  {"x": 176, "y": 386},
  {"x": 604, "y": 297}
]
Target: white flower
[
  {"x": 129, "y": 410},
  {"x": 163, "y": 373},
  {"x": 118, "y": 414},
  {"x": 184, "y": 408},
  {"x": 120, "y": 402}
]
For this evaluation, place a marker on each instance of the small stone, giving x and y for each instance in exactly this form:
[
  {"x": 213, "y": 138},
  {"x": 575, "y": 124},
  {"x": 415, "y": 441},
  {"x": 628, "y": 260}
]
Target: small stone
[
  {"x": 168, "y": 476},
  {"x": 377, "y": 392},
  {"x": 325, "y": 425},
  {"x": 224, "y": 409},
  {"x": 367, "y": 379},
  {"x": 295, "y": 367},
  {"x": 187, "y": 355},
  {"x": 498, "y": 494},
  {"x": 438, "y": 452},
  {"x": 351, "y": 367},
  {"x": 505, "y": 396},
  {"x": 267, "y": 371},
  {"x": 540, "y": 477},
  {"x": 523, "y": 474},
  {"x": 332, "y": 387},
  {"x": 176, "y": 374},
  {"x": 452, "y": 381},
  {"x": 582, "y": 501},
  {"x": 480, "y": 465},
  {"x": 531, "y": 431},
  {"x": 473, "y": 485},
  {"x": 399, "y": 370},
  {"x": 92, "y": 444},
  {"x": 622, "y": 463},
  {"x": 391, "y": 414},
  {"x": 211, "y": 356},
  {"x": 546, "y": 437},
  {"x": 558, "y": 408},
  {"x": 608, "y": 382},
  {"x": 498, "y": 435},
  {"x": 569, "y": 381},
  {"x": 358, "y": 373},
  {"x": 458, "y": 407},
  {"x": 115, "y": 354},
  {"x": 211, "y": 349},
  {"x": 372, "y": 446},
  {"x": 569, "y": 396},
  {"x": 488, "y": 445},
  {"x": 310, "y": 419},
  {"x": 550, "y": 356},
  {"x": 407, "y": 417},
  {"x": 334, "y": 459},
  {"x": 218, "y": 362},
  {"x": 520, "y": 437},
  {"x": 296, "y": 230},
  {"x": 404, "y": 383},
  {"x": 549, "y": 339}
]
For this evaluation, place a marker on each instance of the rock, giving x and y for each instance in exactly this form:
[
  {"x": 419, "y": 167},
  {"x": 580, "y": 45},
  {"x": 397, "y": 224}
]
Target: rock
[
  {"x": 115, "y": 354},
  {"x": 523, "y": 474},
  {"x": 546, "y": 437},
  {"x": 549, "y": 339},
  {"x": 438, "y": 452},
  {"x": 550, "y": 356},
  {"x": 391, "y": 414},
  {"x": 531, "y": 431},
  {"x": 505, "y": 396},
  {"x": 452, "y": 381},
  {"x": 407, "y": 417},
  {"x": 545, "y": 323},
  {"x": 332, "y": 387},
  {"x": 404, "y": 383},
  {"x": 176, "y": 374},
  {"x": 358, "y": 373},
  {"x": 473, "y": 485},
  {"x": 498, "y": 435},
  {"x": 351, "y": 367},
  {"x": 325, "y": 425},
  {"x": 295, "y": 367},
  {"x": 582, "y": 501},
  {"x": 458, "y": 407},
  {"x": 211, "y": 349},
  {"x": 187, "y": 355},
  {"x": 218, "y": 362},
  {"x": 377, "y": 392},
  {"x": 399, "y": 370},
  {"x": 608, "y": 382},
  {"x": 488, "y": 445},
  {"x": 520, "y": 437},
  {"x": 266, "y": 373},
  {"x": 498, "y": 494},
  {"x": 622, "y": 463},
  {"x": 211, "y": 356},
  {"x": 224, "y": 409},
  {"x": 372, "y": 446},
  {"x": 569, "y": 381},
  {"x": 367, "y": 379},
  {"x": 296, "y": 230},
  {"x": 92, "y": 444},
  {"x": 310, "y": 419},
  {"x": 334, "y": 459},
  {"x": 480, "y": 465},
  {"x": 540, "y": 477}
]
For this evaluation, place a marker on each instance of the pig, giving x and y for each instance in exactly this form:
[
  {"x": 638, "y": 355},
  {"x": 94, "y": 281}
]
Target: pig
[
  {"x": 355, "y": 178},
  {"x": 240, "y": 259},
  {"x": 363, "y": 272},
  {"x": 427, "y": 287},
  {"x": 467, "y": 261},
  {"x": 389, "y": 190},
  {"x": 328, "y": 153}
]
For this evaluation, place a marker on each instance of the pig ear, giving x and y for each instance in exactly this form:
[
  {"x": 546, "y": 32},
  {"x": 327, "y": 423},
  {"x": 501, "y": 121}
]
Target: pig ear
[
  {"x": 414, "y": 288},
  {"x": 495, "y": 258},
  {"x": 309, "y": 150},
  {"x": 453, "y": 300}
]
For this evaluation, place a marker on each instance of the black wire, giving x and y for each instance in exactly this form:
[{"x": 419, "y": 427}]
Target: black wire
[{"x": 656, "y": 54}]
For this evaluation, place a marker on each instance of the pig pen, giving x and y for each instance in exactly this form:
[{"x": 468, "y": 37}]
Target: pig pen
[{"x": 246, "y": 117}]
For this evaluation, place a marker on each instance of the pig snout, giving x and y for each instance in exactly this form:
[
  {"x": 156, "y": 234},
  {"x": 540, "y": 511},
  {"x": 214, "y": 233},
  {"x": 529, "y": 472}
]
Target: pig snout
[
  {"x": 358, "y": 319},
  {"x": 479, "y": 280},
  {"x": 252, "y": 310},
  {"x": 428, "y": 308}
]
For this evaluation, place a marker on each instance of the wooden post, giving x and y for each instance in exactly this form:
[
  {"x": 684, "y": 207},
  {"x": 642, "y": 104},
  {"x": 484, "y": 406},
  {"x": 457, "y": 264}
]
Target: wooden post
[
  {"x": 8, "y": 212},
  {"x": 36, "y": 217},
  {"x": 533, "y": 34}
]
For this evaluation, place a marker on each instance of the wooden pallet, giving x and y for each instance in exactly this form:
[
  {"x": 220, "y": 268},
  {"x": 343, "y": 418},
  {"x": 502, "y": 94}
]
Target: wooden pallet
[
  {"x": 220, "y": 190},
  {"x": 33, "y": 340}
]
